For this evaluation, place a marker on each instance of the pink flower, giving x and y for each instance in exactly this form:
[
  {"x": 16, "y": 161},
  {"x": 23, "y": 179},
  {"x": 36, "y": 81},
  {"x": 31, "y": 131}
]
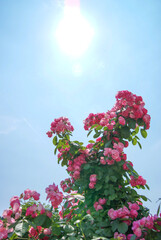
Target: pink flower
[
  {"x": 115, "y": 154},
  {"x": 102, "y": 161},
  {"x": 122, "y": 120},
  {"x": 120, "y": 236},
  {"x": 107, "y": 151},
  {"x": 133, "y": 206},
  {"x": 14, "y": 200},
  {"x": 98, "y": 139},
  {"x": 93, "y": 178},
  {"x": 50, "y": 134},
  {"x": 41, "y": 208},
  {"x": 137, "y": 181},
  {"x": 129, "y": 236},
  {"x": 91, "y": 185},
  {"x": 112, "y": 214},
  {"x": 7, "y": 213},
  {"x": 102, "y": 201},
  {"x": 49, "y": 214},
  {"x": 47, "y": 231},
  {"x": 97, "y": 206},
  {"x": 60, "y": 125},
  {"x": 133, "y": 213},
  {"x": 126, "y": 144},
  {"x": 3, "y": 233},
  {"x": 34, "y": 233},
  {"x": 110, "y": 162},
  {"x": 54, "y": 195},
  {"x": 35, "y": 195},
  {"x": 32, "y": 211},
  {"x": 31, "y": 193},
  {"x": 88, "y": 211},
  {"x": 15, "y": 203}
]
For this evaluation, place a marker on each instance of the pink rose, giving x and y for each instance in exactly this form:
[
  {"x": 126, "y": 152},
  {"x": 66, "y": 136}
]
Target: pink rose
[
  {"x": 47, "y": 231},
  {"x": 122, "y": 120},
  {"x": 102, "y": 201}
]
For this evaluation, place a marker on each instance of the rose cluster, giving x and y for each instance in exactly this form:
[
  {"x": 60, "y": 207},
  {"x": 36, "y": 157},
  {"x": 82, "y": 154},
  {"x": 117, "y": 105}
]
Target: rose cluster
[
  {"x": 67, "y": 183},
  {"x": 127, "y": 105},
  {"x": 60, "y": 125},
  {"x": 131, "y": 106},
  {"x": 114, "y": 154},
  {"x": 125, "y": 213},
  {"x": 54, "y": 195},
  {"x": 34, "y": 233},
  {"x": 72, "y": 205},
  {"x": 74, "y": 166},
  {"x": 137, "y": 181},
  {"x": 31, "y": 193},
  {"x": 93, "y": 179},
  {"x": 140, "y": 226},
  {"x": 34, "y": 210},
  {"x": 98, "y": 205},
  {"x": 3, "y": 231}
]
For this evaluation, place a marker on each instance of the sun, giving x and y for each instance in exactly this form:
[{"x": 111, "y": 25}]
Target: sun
[{"x": 74, "y": 33}]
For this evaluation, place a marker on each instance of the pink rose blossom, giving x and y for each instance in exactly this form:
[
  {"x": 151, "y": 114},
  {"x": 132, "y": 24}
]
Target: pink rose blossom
[{"x": 122, "y": 120}]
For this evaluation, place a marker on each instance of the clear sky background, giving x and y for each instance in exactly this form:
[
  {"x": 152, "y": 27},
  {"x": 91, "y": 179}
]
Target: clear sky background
[{"x": 38, "y": 83}]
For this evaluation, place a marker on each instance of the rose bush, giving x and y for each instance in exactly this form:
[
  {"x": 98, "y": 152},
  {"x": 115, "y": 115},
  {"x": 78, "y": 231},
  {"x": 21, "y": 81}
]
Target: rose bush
[{"x": 100, "y": 200}]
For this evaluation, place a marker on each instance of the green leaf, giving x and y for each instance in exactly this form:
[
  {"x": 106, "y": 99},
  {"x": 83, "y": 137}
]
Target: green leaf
[
  {"x": 134, "y": 141},
  {"x": 143, "y": 197},
  {"x": 133, "y": 133},
  {"x": 99, "y": 128},
  {"x": 112, "y": 197},
  {"x": 89, "y": 133},
  {"x": 107, "y": 178},
  {"x": 66, "y": 204},
  {"x": 114, "y": 225},
  {"x": 88, "y": 217},
  {"x": 64, "y": 162},
  {"x": 139, "y": 145},
  {"x": 21, "y": 228},
  {"x": 122, "y": 227},
  {"x": 98, "y": 187},
  {"x": 143, "y": 133},
  {"x": 91, "y": 141},
  {"x": 113, "y": 178},
  {"x": 125, "y": 132},
  {"x": 133, "y": 237},
  {"x": 100, "y": 175},
  {"x": 147, "y": 186},
  {"x": 106, "y": 192},
  {"x": 42, "y": 220},
  {"x": 140, "y": 122},
  {"x": 55, "y": 140},
  {"x": 86, "y": 166},
  {"x": 107, "y": 144},
  {"x": 68, "y": 228},
  {"x": 56, "y": 231},
  {"x": 129, "y": 166},
  {"x": 137, "y": 129},
  {"x": 55, "y": 150},
  {"x": 12, "y": 236},
  {"x": 158, "y": 210},
  {"x": 96, "y": 135},
  {"x": 131, "y": 123}
]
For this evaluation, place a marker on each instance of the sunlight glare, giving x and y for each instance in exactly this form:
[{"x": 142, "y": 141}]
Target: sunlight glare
[{"x": 74, "y": 33}]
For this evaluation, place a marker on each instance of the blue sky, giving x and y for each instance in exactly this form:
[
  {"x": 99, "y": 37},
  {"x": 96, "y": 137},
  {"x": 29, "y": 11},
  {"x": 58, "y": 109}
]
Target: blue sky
[{"x": 38, "y": 83}]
